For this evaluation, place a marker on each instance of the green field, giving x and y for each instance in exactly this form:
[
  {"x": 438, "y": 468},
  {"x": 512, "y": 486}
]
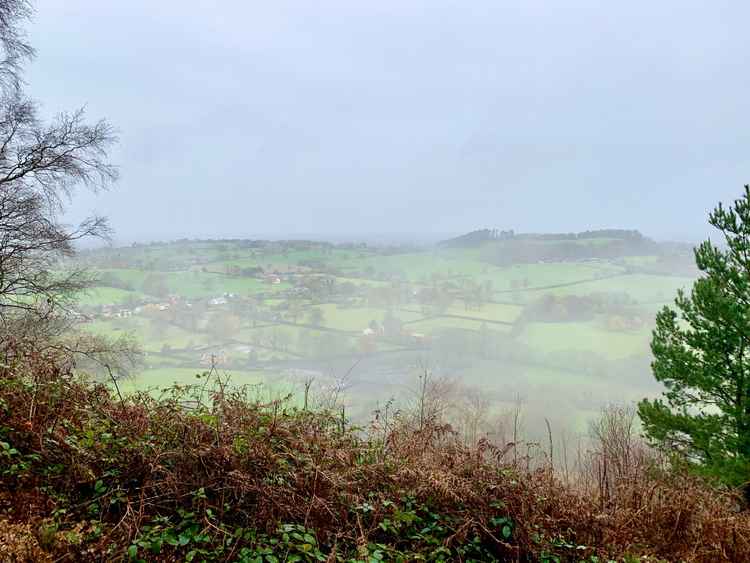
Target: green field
[
  {"x": 161, "y": 378},
  {"x": 644, "y": 289},
  {"x": 385, "y": 312},
  {"x": 358, "y": 319},
  {"x": 294, "y": 258},
  {"x": 545, "y": 275},
  {"x": 109, "y": 295},
  {"x": 257, "y": 385},
  {"x": 436, "y": 324},
  {"x": 192, "y": 283},
  {"x": 419, "y": 267},
  {"x": 489, "y": 311},
  {"x": 585, "y": 337}
]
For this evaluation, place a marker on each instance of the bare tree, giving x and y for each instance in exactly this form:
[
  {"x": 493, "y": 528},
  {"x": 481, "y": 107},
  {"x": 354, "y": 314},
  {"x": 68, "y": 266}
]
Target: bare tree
[
  {"x": 41, "y": 165},
  {"x": 39, "y": 168}
]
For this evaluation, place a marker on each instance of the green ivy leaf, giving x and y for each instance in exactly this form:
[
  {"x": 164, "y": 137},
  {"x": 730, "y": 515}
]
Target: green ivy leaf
[{"x": 507, "y": 532}]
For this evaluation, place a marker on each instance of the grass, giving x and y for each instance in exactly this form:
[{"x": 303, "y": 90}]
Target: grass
[
  {"x": 108, "y": 295},
  {"x": 589, "y": 337},
  {"x": 263, "y": 385},
  {"x": 489, "y": 311},
  {"x": 294, "y": 258},
  {"x": 643, "y": 288},
  {"x": 152, "y": 335},
  {"x": 434, "y": 325},
  {"x": 640, "y": 260},
  {"x": 201, "y": 284},
  {"x": 362, "y": 281},
  {"x": 418, "y": 267},
  {"x": 163, "y": 377},
  {"x": 547, "y": 274},
  {"x": 358, "y": 319},
  {"x": 301, "y": 341},
  {"x": 116, "y": 327},
  {"x": 194, "y": 283}
]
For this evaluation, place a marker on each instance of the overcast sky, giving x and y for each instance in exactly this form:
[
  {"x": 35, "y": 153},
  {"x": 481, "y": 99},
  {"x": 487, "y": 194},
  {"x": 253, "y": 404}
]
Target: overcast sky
[{"x": 243, "y": 118}]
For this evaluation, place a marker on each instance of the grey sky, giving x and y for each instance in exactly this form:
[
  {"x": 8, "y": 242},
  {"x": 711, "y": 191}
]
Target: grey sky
[{"x": 288, "y": 118}]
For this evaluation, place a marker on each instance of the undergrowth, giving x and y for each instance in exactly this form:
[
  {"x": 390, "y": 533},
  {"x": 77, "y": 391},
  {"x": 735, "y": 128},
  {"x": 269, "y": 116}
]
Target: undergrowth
[{"x": 202, "y": 473}]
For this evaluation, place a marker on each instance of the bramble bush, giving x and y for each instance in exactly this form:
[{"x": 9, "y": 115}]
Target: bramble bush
[{"x": 202, "y": 473}]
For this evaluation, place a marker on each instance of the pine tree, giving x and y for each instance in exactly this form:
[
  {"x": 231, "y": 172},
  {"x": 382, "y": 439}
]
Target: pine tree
[{"x": 702, "y": 356}]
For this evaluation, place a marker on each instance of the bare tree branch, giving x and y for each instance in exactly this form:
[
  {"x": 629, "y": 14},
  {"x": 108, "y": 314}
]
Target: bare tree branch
[{"x": 41, "y": 165}]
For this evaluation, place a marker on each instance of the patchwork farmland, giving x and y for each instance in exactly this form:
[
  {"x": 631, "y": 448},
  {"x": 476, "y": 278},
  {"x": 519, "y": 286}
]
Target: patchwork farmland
[{"x": 364, "y": 322}]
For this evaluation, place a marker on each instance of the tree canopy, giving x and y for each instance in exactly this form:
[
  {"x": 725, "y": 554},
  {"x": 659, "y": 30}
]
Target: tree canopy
[{"x": 701, "y": 350}]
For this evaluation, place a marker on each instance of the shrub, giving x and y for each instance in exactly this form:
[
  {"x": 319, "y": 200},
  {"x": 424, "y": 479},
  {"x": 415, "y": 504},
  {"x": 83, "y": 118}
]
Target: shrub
[{"x": 203, "y": 473}]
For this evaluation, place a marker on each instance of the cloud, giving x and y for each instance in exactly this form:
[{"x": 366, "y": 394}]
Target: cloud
[{"x": 337, "y": 117}]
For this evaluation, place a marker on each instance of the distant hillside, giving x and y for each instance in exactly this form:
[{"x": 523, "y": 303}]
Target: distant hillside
[
  {"x": 507, "y": 247},
  {"x": 476, "y": 238}
]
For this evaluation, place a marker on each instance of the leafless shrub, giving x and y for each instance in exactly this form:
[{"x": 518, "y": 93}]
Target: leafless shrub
[
  {"x": 616, "y": 456},
  {"x": 432, "y": 397}
]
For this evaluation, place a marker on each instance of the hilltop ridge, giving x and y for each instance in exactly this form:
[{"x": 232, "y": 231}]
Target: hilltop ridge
[{"x": 479, "y": 236}]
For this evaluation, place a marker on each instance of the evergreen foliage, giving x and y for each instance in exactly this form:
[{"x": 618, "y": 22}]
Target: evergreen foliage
[{"x": 702, "y": 356}]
